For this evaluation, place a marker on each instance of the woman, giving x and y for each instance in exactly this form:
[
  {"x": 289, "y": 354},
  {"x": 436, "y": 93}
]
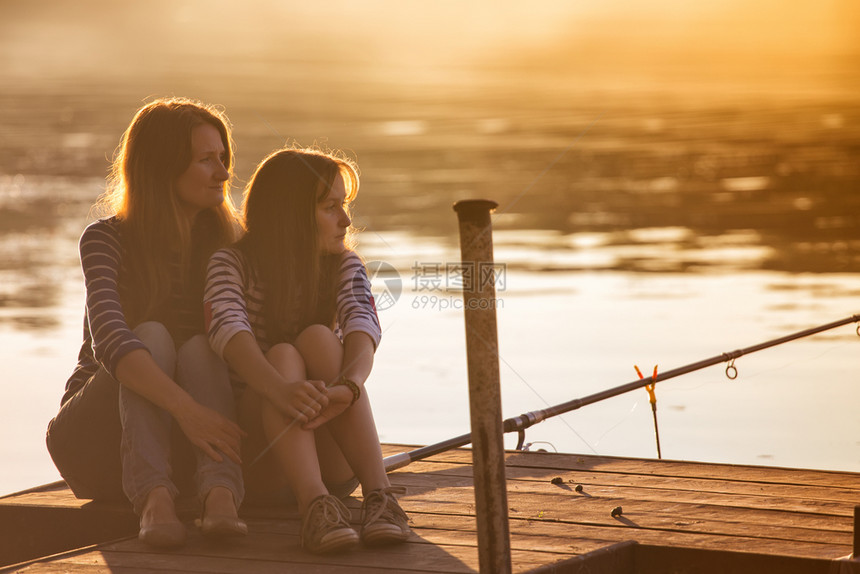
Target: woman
[
  {"x": 291, "y": 312},
  {"x": 145, "y": 368}
]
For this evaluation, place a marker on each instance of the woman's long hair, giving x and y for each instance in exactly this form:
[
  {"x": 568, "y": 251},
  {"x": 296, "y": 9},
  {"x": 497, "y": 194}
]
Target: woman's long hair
[
  {"x": 281, "y": 244},
  {"x": 154, "y": 151}
]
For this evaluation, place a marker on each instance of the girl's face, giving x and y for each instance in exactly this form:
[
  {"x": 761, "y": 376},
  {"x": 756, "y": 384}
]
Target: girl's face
[
  {"x": 201, "y": 185},
  {"x": 332, "y": 220}
]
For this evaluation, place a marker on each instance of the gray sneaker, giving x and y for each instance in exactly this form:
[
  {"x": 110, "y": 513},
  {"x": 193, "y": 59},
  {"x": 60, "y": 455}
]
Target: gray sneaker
[
  {"x": 382, "y": 519},
  {"x": 325, "y": 526}
]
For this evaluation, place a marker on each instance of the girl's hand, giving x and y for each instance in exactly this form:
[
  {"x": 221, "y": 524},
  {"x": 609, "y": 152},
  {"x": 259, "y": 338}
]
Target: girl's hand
[
  {"x": 300, "y": 400},
  {"x": 210, "y": 431},
  {"x": 339, "y": 399}
]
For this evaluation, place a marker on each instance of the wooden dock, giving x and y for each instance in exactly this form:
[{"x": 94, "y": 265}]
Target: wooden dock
[{"x": 675, "y": 517}]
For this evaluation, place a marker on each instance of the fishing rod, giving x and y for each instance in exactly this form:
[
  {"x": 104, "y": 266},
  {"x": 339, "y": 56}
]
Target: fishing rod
[{"x": 520, "y": 423}]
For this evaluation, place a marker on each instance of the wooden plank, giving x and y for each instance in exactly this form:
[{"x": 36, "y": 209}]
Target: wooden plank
[
  {"x": 412, "y": 557},
  {"x": 668, "y": 468},
  {"x": 615, "y": 559},
  {"x": 659, "y": 560},
  {"x": 762, "y": 499},
  {"x": 570, "y": 533},
  {"x": 577, "y": 535},
  {"x": 269, "y": 539},
  {"x": 696, "y": 507},
  {"x": 111, "y": 562},
  {"x": 835, "y": 497},
  {"x": 30, "y": 531},
  {"x": 57, "y": 486},
  {"x": 425, "y": 529},
  {"x": 542, "y": 502}
]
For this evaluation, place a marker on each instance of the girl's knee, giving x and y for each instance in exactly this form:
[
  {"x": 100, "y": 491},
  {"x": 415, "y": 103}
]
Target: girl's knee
[
  {"x": 316, "y": 334},
  {"x": 319, "y": 346},
  {"x": 283, "y": 352}
]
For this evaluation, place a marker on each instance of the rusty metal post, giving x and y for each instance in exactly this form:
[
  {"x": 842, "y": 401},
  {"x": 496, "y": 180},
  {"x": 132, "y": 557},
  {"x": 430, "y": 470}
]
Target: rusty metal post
[{"x": 485, "y": 400}]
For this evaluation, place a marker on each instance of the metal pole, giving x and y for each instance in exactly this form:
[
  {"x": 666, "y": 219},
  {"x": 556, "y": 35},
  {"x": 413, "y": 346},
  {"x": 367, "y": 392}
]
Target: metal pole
[{"x": 485, "y": 400}]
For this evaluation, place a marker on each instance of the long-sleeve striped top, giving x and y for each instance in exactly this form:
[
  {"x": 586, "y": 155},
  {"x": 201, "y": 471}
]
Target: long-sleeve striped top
[
  {"x": 233, "y": 300},
  {"x": 107, "y": 334}
]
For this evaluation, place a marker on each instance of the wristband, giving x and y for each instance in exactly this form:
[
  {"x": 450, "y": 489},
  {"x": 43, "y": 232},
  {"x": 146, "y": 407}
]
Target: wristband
[{"x": 356, "y": 391}]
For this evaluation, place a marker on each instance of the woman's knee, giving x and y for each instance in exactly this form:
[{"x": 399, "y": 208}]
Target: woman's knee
[
  {"x": 197, "y": 348},
  {"x": 203, "y": 374},
  {"x": 160, "y": 344}
]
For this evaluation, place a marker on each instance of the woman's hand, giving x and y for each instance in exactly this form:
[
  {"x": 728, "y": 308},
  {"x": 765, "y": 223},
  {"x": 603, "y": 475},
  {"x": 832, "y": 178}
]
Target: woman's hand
[
  {"x": 210, "y": 431},
  {"x": 300, "y": 400},
  {"x": 207, "y": 429},
  {"x": 339, "y": 399}
]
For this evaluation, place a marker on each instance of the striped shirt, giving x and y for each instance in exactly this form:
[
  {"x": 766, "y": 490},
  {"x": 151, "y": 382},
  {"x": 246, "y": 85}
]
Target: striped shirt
[
  {"x": 233, "y": 301},
  {"x": 107, "y": 335}
]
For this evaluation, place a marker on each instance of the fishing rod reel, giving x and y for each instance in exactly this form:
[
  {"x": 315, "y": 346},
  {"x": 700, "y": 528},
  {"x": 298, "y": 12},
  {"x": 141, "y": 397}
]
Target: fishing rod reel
[
  {"x": 527, "y": 447},
  {"x": 521, "y": 438}
]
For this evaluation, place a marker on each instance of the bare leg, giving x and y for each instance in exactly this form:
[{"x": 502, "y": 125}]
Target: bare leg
[
  {"x": 292, "y": 447},
  {"x": 354, "y": 430},
  {"x": 262, "y": 472}
]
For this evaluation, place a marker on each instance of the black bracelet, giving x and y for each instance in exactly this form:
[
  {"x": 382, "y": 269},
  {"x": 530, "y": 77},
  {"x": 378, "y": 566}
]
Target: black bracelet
[{"x": 356, "y": 391}]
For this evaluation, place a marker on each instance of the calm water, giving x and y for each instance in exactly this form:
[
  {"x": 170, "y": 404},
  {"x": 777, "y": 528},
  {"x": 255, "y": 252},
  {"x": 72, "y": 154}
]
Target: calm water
[{"x": 661, "y": 220}]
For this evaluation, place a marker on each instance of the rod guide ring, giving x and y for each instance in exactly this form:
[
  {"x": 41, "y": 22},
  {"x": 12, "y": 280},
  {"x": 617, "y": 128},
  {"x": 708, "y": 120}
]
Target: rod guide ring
[{"x": 732, "y": 371}]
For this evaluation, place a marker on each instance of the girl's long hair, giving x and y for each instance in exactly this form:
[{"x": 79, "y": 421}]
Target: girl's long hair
[
  {"x": 153, "y": 152},
  {"x": 280, "y": 241}
]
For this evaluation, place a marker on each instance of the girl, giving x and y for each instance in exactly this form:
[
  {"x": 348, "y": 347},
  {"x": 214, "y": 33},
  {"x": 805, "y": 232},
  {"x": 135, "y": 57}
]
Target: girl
[
  {"x": 145, "y": 365},
  {"x": 290, "y": 310}
]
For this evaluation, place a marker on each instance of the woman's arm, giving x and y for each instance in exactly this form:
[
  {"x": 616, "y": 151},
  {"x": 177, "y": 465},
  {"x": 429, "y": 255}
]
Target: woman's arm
[
  {"x": 205, "y": 428},
  {"x": 126, "y": 358},
  {"x": 101, "y": 257}
]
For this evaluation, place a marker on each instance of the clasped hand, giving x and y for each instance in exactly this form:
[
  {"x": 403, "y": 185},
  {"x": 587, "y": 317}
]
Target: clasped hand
[
  {"x": 300, "y": 400},
  {"x": 310, "y": 403}
]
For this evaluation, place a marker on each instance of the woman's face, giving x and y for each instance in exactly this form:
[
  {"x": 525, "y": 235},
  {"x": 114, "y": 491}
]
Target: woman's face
[
  {"x": 332, "y": 220},
  {"x": 201, "y": 185}
]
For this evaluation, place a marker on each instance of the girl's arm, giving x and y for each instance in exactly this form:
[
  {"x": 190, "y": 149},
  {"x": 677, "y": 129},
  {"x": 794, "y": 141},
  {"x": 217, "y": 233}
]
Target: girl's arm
[
  {"x": 126, "y": 358},
  {"x": 356, "y": 314},
  {"x": 358, "y": 349},
  {"x": 294, "y": 399},
  {"x": 232, "y": 337}
]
